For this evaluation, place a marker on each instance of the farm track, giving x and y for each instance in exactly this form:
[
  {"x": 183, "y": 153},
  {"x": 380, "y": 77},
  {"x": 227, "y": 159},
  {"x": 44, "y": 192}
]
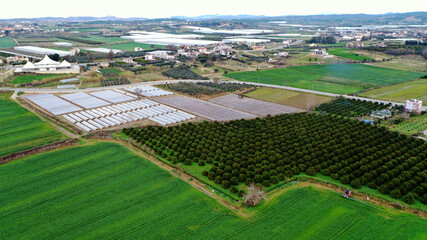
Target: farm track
[{"x": 38, "y": 90}]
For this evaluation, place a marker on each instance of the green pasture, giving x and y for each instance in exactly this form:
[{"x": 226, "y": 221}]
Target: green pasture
[
  {"x": 30, "y": 78},
  {"x": 333, "y": 78},
  {"x": 107, "y": 40},
  {"x": 6, "y": 42},
  {"x": 103, "y": 190},
  {"x": 401, "y": 92},
  {"x": 361, "y": 73},
  {"x": 110, "y": 71},
  {"x": 299, "y": 79},
  {"x": 345, "y": 53},
  {"x": 20, "y": 129}
]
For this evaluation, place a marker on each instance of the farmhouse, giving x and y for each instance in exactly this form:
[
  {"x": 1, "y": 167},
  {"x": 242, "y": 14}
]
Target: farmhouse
[
  {"x": 16, "y": 58},
  {"x": 128, "y": 60},
  {"x": 48, "y": 65},
  {"x": 414, "y": 106},
  {"x": 381, "y": 114},
  {"x": 322, "y": 53},
  {"x": 151, "y": 56}
]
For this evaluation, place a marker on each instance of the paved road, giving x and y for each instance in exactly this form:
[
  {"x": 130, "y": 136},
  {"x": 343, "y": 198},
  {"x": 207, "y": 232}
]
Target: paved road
[{"x": 40, "y": 90}]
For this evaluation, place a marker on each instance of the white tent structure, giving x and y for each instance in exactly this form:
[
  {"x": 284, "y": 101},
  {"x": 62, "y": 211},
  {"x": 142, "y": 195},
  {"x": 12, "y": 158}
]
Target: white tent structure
[{"x": 47, "y": 65}]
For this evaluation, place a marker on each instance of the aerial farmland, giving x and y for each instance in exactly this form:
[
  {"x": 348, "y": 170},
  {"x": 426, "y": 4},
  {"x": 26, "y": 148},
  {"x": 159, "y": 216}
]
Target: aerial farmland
[{"x": 213, "y": 127}]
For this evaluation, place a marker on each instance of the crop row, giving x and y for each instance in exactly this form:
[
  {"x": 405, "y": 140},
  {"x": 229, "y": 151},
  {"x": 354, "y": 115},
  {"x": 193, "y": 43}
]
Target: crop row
[
  {"x": 269, "y": 150},
  {"x": 205, "y": 88},
  {"x": 350, "y": 107},
  {"x": 182, "y": 72}
]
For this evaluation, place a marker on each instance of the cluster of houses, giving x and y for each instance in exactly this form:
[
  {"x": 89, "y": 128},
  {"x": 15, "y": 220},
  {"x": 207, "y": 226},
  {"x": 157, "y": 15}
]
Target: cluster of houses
[{"x": 221, "y": 49}]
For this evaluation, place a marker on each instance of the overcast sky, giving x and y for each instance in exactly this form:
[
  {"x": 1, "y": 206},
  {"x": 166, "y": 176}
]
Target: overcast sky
[{"x": 167, "y": 8}]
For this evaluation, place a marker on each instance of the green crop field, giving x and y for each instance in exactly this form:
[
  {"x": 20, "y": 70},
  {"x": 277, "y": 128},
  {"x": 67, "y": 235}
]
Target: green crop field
[
  {"x": 344, "y": 53},
  {"x": 107, "y": 71},
  {"x": 413, "y": 125},
  {"x": 7, "y": 42},
  {"x": 361, "y": 73},
  {"x": 333, "y": 78},
  {"x": 287, "y": 97},
  {"x": 105, "y": 191},
  {"x": 20, "y": 129},
  {"x": 401, "y": 92},
  {"x": 30, "y": 78},
  {"x": 299, "y": 79},
  {"x": 130, "y": 46}
]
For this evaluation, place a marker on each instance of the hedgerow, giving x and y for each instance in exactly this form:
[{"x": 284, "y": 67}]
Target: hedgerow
[
  {"x": 266, "y": 151},
  {"x": 182, "y": 72},
  {"x": 205, "y": 88}
]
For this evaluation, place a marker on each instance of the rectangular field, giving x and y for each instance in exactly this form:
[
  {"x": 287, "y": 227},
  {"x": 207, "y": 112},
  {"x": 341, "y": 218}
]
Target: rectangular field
[
  {"x": 20, "y": 129},
  {"x": 298, "y": 79},
  {"x": 6, "y": 42},
  {"x": 345, "y": 53},
  {"x": 333, "y": 78},
  {"x": 290, "y": 98},
  {"x": 254, "y": 106},
  {"x": 401, "y": 92},
  {"x": 204, "y": 109},
  {"x": 31, "y": 78},
  {"x": 103, "y": 190},
  {"x": 361, "y": 73}
]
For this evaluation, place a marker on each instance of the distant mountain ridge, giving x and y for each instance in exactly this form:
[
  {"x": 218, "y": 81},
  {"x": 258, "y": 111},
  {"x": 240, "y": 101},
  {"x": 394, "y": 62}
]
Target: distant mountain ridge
[{"x": 415, "y": 18}]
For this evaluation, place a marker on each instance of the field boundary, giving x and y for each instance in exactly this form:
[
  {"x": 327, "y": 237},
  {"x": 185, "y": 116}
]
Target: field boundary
[
  {"x": 374, "y": 200},
  {"x": 40, "y": 149},
  {"x": 359, "y": 196},
  {"x": 181, "y": 174},
  {"x": 58, "y": 125}
]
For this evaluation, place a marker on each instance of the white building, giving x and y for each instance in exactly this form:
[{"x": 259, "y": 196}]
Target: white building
[
  {"x": 48, "y": 66},
  {"x": 16, "y": 58},
  {"x": 322, "y": 53},
  {"x": 128, "y": 60},
  {"x": 151, "y": 56},
  {"x": 414, "y": 106}
]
